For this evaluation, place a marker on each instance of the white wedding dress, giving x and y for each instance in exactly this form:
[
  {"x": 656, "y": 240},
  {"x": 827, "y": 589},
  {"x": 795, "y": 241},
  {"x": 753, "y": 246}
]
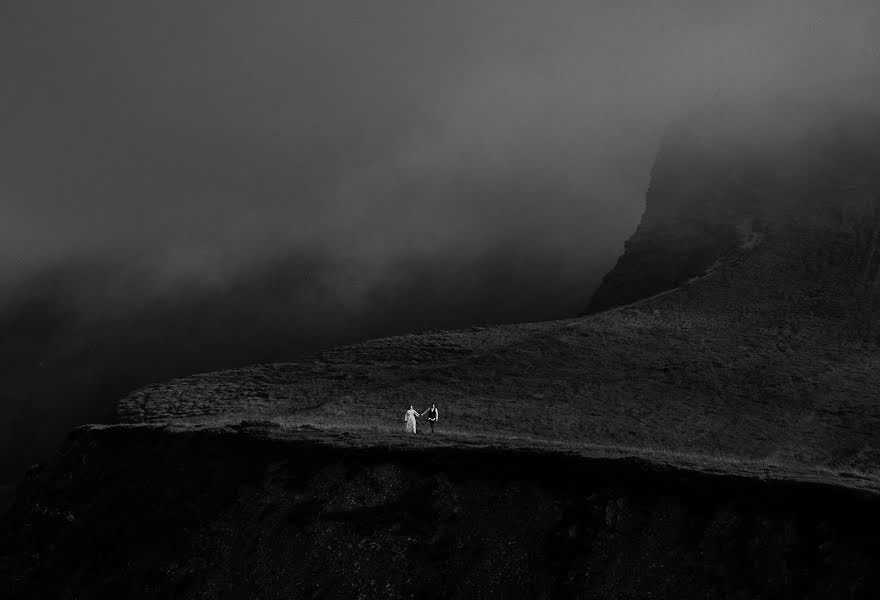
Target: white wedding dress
[{"x": 410, "y": 419}]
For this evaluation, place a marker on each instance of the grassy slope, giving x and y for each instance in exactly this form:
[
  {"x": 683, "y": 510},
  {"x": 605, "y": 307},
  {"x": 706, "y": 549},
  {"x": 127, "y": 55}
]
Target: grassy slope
[{"x": 759, "y": 359}]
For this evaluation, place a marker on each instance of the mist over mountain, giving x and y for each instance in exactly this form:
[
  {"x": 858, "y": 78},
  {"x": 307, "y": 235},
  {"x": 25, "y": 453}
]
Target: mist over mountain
[
  {"x": 741, "y": 319},
  {"x": 711, "y": 429},
  {"x": 193, "y": 186},
  {"x": 733, "y": 175}
]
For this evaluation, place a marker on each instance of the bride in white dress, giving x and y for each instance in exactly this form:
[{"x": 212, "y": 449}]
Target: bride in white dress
[{"x": 410, "y": 419}]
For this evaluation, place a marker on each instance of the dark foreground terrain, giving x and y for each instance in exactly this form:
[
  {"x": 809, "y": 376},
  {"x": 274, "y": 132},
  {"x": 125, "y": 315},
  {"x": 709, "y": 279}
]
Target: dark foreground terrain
[{"x": 262, "y": 513}]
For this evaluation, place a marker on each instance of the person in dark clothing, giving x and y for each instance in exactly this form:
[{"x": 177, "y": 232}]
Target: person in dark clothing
[{"x": 433, "y": 415}]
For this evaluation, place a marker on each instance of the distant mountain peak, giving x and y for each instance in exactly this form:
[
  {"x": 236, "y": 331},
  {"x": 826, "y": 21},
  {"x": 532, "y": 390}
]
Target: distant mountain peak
[{"x": 732, "y": 176}]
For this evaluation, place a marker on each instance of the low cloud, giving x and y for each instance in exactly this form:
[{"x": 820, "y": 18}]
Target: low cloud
[{"x": 330, "y": 171}]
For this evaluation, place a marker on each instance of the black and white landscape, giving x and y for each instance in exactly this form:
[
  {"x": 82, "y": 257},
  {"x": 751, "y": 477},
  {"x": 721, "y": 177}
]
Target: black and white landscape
[{"x": 630, "y": 251}]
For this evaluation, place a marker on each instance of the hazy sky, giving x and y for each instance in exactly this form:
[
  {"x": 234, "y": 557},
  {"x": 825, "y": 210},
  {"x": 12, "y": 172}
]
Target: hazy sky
[{"x": 194, "y": 138}]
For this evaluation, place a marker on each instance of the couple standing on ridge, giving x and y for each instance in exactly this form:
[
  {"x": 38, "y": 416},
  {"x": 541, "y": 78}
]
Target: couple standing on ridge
[{"x": 410, "y": 418}]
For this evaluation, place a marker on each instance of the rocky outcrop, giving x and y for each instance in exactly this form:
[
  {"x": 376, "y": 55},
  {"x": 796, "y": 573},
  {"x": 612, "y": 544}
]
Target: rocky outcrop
[
  {"x": 145, "y": 513},
  {"x": 730, "y": 177}
]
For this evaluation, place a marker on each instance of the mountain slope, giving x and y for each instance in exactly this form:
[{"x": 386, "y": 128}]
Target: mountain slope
[{"x": 750, "y": 329}]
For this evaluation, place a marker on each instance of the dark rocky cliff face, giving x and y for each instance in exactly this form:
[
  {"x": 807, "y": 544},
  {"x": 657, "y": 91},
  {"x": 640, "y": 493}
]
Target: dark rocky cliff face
[
  {"x": 729, "y": 177},
  {"x": 146, "y": 513}
]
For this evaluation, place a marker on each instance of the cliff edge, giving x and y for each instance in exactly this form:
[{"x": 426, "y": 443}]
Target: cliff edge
[{"x": 142, "y": 512}]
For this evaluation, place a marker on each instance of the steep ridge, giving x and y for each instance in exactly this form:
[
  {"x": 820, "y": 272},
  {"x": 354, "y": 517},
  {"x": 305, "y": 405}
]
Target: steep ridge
[{"x": 732, "y": 177}]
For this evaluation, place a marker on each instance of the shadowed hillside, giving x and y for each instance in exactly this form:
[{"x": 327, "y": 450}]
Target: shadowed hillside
[{"x": 262, "y": 513}]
